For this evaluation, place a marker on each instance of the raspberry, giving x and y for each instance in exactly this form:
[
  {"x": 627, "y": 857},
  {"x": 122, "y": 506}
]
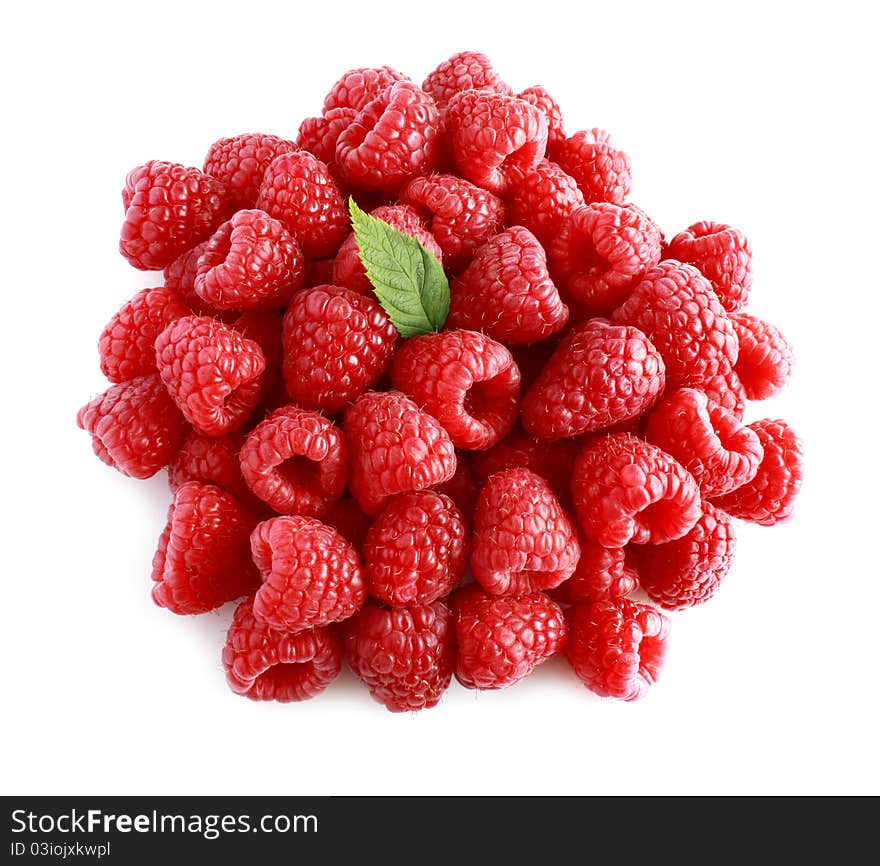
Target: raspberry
[
  {"x": 213, "y": 460},
  {"x": 296, "y": 461},
  {"x": 723, "y": 256},
  {"x": 600, "y": 375},
  {"x": 601, "y": 573},
  {"x": 601, "y": 170},
  {"x": 689, "y": 570},
  {"x": 180, "y": 278},
  {"x": 531, "y": 359},
  {"x": 601, "y": 252},
  {"x": 501, "y": 640},
  {"x": 416, "y": 549},
  {"x": 770, "y": 496},
  {"x": 507, "y": 292},
  {"x": 264, "y": 327},
  {"x": 626, "y": 490},
  {"x": 358, "y": 87},
  {"x": 348, "y": 270},
  {"x": 299, "y": 190},
  {"x": 726, "y": 390},
  {"x": 319, "y": 272},
  {"x": 337, "y": 344},
  {"x": 267, "y": 665},
  {"x": 466, "y": 70},
  {"x": 311, "y": 574},
  {"x": 463, "y": 487},
  {"x": 542, "y": 199},
  {"x": 318, "y": 135},
  {"x": 553, "y": 461},
  {"x": 395, "y": 447},
  {"x": 126, "y": 345},
  {"x": 466, "y": 380},
  {"x": 491, "y": 133},
  {"x": 617, "y": 647},
  {"x": 539, "y": 97},
  {"x": 523, "y": 540},
  {"x": 211, "y": 371},
  {"x": 676, "y": 307},
  {"x": 135, "y": 426},
  {"x": 240, "y": 162},
  {"x": 202, "y": 560},
  {"x": 710, "y": 442},
  {"x": 765, "y": 356},
  {"x": 168, "y": 209},
  {"x": 405, "y": 657},
  {"x": 393, "y": 139},
  {"x": 349, "y": 520},
  {"x": 250, "y": 261},
  {"x": 461, "y": 216}
]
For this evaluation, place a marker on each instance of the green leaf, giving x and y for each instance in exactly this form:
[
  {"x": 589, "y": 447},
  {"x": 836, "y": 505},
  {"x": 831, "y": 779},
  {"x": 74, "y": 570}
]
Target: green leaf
[{"x": 407, "y": 278}]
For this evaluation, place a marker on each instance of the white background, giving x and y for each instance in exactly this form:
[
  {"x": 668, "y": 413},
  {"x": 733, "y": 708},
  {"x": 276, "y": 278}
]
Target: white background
[{"x": 762, "y": 115}]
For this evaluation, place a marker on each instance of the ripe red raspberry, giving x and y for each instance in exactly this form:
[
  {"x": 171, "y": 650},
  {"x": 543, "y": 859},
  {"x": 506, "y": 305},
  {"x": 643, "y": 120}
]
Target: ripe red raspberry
[
  {"x": 319, "y": 272},
  {"x": 723, "y": 255},
  {"x": 348, "y": 270},
  {"x": 135, "y": 426},
  {"x": 213, "y": 460},
  {"x": 251, "y": 261},
  {"x": 267, "y": 665},
  {"x": 676, "y": 307},
  {"x": 601, "y": 252},
  {"x": 490, "y": 133},
  {"x": 765, "y": 356},
  {"x": 601, "y": 170},
  {"x": 601, "y": 573},
  {"x": 689, "y": 570},
  {"x": 264, "y": 327},
  {"x": 358, "y": 87},
  {"x": 349, "y": 520},
  {"x": 211, "y": 371},
  {"x": 541, "y": 98},
  {"x": 507, "y": 292},
  {"x": 311, "y": 574},
  {"x": 299, "y": 190},
  {"x": 523, "y": 540},
  {"x": 337, "y": 344},
  {"x": 202, "y": 560},
  {"x": 318, "y": 135},
  {"x": 465, "y": 70},
  {"x": 542, "y": 199},
  {"x": 168, "y": 209},
  {"x": 626, "y": 489},
  {"x": 770, "y": 496},
  {"x": 240, "y": 162},
  {"x": 460, "y": 216},
  {"x": 416, "y": 549},
  {"x": 553, "y": 461},
  {"x": 617, "y": 647},
  {"x": 180, "y": 278},
  {"x": 463, "y": 487},
  {"x": 126, "y": 345},
  {"x": 296, "y": 461},
  {"x": 394, "y": 138},
  {"x": 395, "y": 447},
  {"x": 710, "y": 442},
  {"x": 405, "y": 657},
  {"x": 466, "y": 380},
  {"x": 600, "y": 375},
  {"x": 501, "y": 640},
  {"x": 726, "y": 390}
]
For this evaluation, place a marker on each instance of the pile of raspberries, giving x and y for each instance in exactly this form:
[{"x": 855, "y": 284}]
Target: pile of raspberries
[{"x": 547, "y": 473}]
